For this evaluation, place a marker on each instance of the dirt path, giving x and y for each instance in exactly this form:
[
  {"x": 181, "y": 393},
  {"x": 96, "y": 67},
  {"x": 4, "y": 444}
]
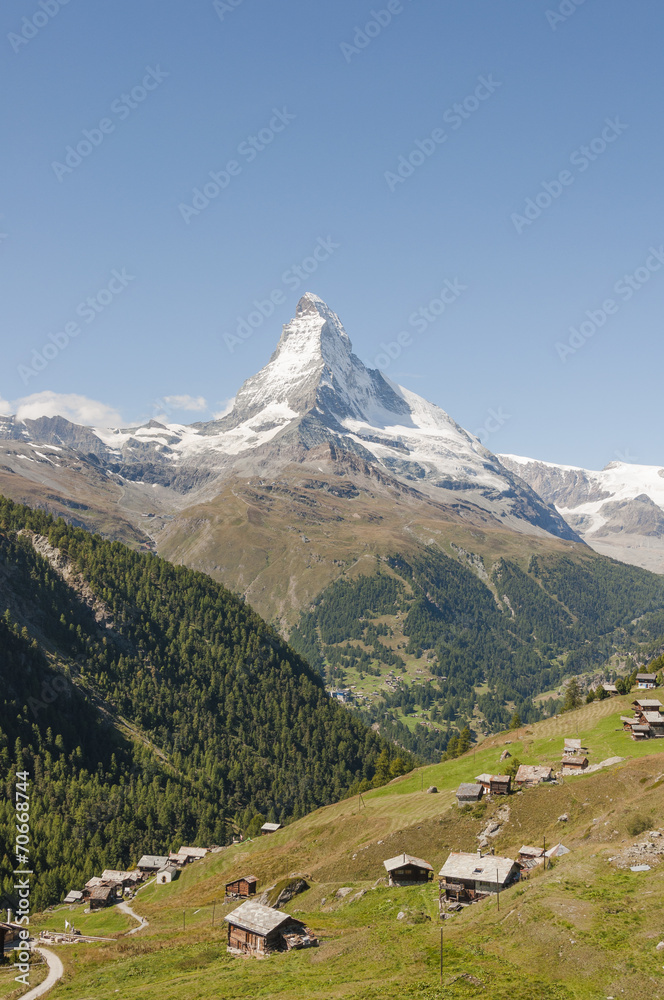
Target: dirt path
[
  {"x": 55, "y": 972},
  {"x": 142, "y": 922}
]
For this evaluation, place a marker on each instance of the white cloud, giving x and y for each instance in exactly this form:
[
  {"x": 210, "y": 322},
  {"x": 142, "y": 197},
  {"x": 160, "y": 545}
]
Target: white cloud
[
  {"x": 228, "y": 405},
  {"x": 5, "y": 408},
  {"x": 78, "y": 409},
  {"x": 194, "y": 403}
]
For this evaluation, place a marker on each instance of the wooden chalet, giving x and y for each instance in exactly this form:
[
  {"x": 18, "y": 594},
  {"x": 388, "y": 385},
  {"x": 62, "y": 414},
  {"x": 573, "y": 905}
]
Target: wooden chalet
[
  {"x": 647, "y": 705},
  {"x": 270, "y": 828},
  {"x": 495, "y": 784},
  {"x": 101, "y": 896},
  {"x": 124, "y": 878},
  {"x": 8, "y": 934},
  {"x": 254, "y": 929},
  {"x": 574, "y": 764},
  {"x": 610, "y": 689},
  {"x": 530, "y": 857},
  {"x": 407, "y": 870},
  {"x": 654, "y": 720},
  {"x": 151, "y": 863},
  {"x": 242, "y": 888},
  {"x": 73, "y": 896},
  {"x": 178, "y": 859},
  {"x": 468, "y": 793},
  {"x": 573, "y": 747},
  {"x": 167, "y": 874},
  {"x": 529, "y": 775},
  {"x": 646, "y": 681},
  {"x": 466, "y": 877}
]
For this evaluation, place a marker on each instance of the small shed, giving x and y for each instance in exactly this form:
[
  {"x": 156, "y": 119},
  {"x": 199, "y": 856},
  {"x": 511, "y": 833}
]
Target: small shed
[
  {"x": 468, "y": 793},
  {"x": 611, "y": 689},
  {"x": 242, "y": 888},
  {"x": 495, "y": 784},
  {"x": 573, "y": 747},
  {"x": 407, "y": 870},
  {"x": 73, "y": 896},
  {"x": 178, "y": 859},
  {"x": 124, "y": 878},
  {"x": 654, "y": 720},
  {"x": 254, "y": 929},
  {"x": 465, "y": 877},
  {"x": 531, "y": 855},
  {"x": 270, "y": 828},
  {"x": 529, "y": 775},
  {"x": 8, "y": 932},
  {"x": 167, "y": 874},
  {"x": 152, "y": 862},
  {"x": 646, "y": 681},
  {"x": 641, "y": 732},
  {"x": 574, "y": 764},
  {"x": 647, "y": 705}
]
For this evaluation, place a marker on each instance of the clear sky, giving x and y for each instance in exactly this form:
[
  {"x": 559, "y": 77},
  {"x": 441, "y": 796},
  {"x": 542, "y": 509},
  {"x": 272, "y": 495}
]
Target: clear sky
[{"x": 401, "y": 142}]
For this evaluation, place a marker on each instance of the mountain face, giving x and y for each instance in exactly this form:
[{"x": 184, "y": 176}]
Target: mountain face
[
  {"x": 618, "y": 511},
  {"x": 314, "y": 404}
]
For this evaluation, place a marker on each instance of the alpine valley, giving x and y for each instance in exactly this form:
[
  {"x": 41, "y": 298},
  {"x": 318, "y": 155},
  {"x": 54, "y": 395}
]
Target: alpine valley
[{"x": 442, "y": 584}]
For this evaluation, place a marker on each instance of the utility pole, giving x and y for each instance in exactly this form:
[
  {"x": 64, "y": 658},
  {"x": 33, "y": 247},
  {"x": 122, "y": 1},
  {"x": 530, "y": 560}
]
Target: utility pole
[
  {"x": 214, "y": 903},
  {"x": 183, "y": 919},
  {"x": 545, "y": 854},
  {"x": 498, "y": 888},
  {"x": 441, "y": 956}
]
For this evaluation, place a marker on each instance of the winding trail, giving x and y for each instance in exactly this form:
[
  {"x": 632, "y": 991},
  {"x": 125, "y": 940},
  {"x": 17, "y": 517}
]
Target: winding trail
[
  {"x": 55, "y": 972},
  {"x": 142, "y": 922}
]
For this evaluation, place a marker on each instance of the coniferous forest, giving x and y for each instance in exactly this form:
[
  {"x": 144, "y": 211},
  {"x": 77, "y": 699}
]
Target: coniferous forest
[{"x": 151, "y": 708}]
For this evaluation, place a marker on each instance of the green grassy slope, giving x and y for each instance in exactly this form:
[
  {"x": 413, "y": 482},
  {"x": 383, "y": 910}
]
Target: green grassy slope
[{"x": 582, "y": 930}]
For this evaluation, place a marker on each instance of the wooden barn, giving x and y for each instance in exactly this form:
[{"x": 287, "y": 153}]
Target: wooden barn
[
  {"x": 254, "y": 929},
  {"x": 466, "y": 877},
  {"x": 468, "y": 794},
  {"x": 646, "y": 681},
  {"x": 270, "y": 828},
  {"x": 495, "y": 784},
  {"x": 151, "y": 863},
  {"x": 573, "y": 764},
  {"x": 101, "y": 896},
  {"x": 407, "y": 870},
  {"x": 242, "y": 888}
]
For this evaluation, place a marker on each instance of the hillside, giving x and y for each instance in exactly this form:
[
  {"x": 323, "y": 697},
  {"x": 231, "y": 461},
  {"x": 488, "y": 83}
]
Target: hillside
[
  {"x": 586, "y": 928},
  {"x": 152, "y": 707}
]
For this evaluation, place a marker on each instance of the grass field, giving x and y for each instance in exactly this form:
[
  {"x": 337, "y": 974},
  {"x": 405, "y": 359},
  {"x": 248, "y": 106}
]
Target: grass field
[{"x": 582, "y": 930}]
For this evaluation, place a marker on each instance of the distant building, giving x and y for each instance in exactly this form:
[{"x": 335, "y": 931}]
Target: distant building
[
  {"x": 557, "y": 851},
  {"x": 647, "y": 705},
  {"x": 270, "y": 828},
  {"x": 646, "y": 681},
  {"x": 530, "y": 857},
  {"x": 152, "y": 863},
  {"x": 468, "y": 793},
  {"x": 242, "y": 888},
  {"x": 73, "y": 896},
  {"x": 573, "y": 747},
  {"x": 407, "y": 870},
  {"x": 495, "y": 784},
  {"x": 167, "y": 874},
  {"x": 254, "y": 929},
  {"x": 465, "y": 877},
  {"x": 101, "y": 896},
  {"x": 529, "y": 775},
  {"x": 574, "y": 765},
  {"x": 611, "y": 689},
  {"x": 193, "y": 853}
]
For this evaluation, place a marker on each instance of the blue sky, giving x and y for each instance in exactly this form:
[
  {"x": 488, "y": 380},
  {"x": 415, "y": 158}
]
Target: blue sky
[{"x": 556, "y": 103}]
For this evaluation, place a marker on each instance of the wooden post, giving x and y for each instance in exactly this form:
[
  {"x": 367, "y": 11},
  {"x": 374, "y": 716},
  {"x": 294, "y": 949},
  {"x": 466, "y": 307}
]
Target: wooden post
[
  {"x": 498, "y": 888},
  {"x": 441, "y": 956},
  {"x": 545, "y": 854},
  {"x": 183, "y": 920},
  {"x": 214, "y": 903}
]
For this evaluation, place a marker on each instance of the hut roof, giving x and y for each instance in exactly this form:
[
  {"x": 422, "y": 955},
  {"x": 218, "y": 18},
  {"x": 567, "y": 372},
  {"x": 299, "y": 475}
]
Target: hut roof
[
  {"x": 271, "y": 827},
  {"x": 647, "y": 677},
  {"x": 647, "y": 703},
  {"x": 468, "y": 790},
  {"x": 533, "y": 772},
  {"x": 532, "y": 852},
  {"x": 101, "y": 892},
  {"x": 153, "y": 861},
  {"x": 73, "y": 896},
  {"x": 577, "y": 759},
  {"x": 405, "y": 859},
  {"x": 653, "y": 717},
  {"x": 490, "y": 868},
  {"x": 250, "y": 879},
  {"x": 557, "y": 851},
  {"x": 256, "y": 918},
  {"x": 193, "y": 852}
]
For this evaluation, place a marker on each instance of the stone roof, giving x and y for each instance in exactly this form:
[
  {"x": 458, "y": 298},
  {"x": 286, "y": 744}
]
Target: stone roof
[
  {"x": 256, "y": 918},
  {"x": 469, "y": 790},
  {"x": 472, "y": 867},
  {"x": 405, "y": 859},
  {"x": 533, "y": 772}
]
